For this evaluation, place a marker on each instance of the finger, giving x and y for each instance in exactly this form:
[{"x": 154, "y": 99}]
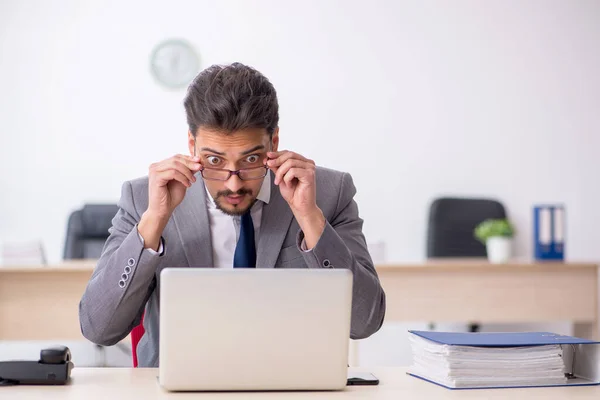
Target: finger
[
  {"x": 291, "y": 175},
  {"x": 181, "y": 157},
  {"x": 278, "y": 158},
  {"x": 192, "y": 162},
  {"x": 174, "y": 165},
  {"x": 302, "y": 174},
  {"x": 173, "y": 175},
  {"x": 283, "y": 169},
  {"x": 275, "y": 154},
  {"x": 187, "y": 171}
]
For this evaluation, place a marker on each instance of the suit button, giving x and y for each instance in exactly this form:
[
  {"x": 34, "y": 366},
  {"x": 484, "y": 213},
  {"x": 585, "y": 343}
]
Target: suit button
[
  {"x": 131, "y": 262},
  {"x": 326, "y": 263},
  {"x": 121, "y": 284},
  {"x": 124, "y": 277},
  {"x": 128, "y": 269}
]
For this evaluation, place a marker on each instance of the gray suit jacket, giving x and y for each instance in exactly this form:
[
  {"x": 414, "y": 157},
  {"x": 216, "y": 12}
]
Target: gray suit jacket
[{"x": 109, "y": 310}]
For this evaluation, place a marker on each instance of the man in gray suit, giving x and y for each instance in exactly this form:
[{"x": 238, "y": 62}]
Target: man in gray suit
[{"x": 235, "y": 202}]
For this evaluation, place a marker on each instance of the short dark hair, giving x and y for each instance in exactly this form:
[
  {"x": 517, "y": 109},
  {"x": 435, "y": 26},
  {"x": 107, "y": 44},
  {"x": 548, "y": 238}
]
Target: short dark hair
[{"x": 228, "y": 98}]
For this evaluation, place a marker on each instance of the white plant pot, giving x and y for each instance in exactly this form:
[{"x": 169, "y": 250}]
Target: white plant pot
[{"x": 499, "y": 249}]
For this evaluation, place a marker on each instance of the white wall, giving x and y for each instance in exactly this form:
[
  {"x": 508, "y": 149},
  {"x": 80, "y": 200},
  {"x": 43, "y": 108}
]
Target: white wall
[{"x": 415, "y": 98}]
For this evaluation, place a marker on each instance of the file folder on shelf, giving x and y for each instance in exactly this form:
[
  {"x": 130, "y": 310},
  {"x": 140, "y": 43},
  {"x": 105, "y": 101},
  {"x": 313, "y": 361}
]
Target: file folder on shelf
[
  {"x": 504, "y": 360},
  {"x": 549, "y": 232}
]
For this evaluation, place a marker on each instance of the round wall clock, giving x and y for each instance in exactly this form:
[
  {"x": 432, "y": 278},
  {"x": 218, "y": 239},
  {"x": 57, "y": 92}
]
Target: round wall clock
[{"x": 174, "y": 63}]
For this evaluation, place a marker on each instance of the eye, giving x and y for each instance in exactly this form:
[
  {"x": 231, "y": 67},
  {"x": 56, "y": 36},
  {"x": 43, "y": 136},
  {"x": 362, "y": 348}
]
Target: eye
[
  {"x": 213, "y": 160},
  {"x": 252, "y": 159}
]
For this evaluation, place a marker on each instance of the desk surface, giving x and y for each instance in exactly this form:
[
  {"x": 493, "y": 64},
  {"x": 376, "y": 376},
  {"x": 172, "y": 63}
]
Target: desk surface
[
  {"x": 87, "y": 265},
  {"x": 141, "y": 383}
]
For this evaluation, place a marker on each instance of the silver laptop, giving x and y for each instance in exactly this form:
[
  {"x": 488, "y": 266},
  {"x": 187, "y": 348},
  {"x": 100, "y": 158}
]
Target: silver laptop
[{"x": 254, "y": 329}]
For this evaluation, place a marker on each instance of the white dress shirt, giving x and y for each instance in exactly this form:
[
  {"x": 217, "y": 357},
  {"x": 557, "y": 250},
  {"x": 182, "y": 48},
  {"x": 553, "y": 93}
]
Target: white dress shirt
[{"x": 225, "y": 229}]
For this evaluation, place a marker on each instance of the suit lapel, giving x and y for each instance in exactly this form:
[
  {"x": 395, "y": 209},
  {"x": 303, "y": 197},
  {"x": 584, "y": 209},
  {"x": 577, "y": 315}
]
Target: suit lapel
[
  {"x": 275, "y": 222},
  {"x": 193, "y": 226}
]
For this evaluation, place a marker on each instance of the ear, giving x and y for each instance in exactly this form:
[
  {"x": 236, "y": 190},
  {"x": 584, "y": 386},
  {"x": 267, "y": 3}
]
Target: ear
[
  {"x": 191, "y": 143},
  {"x": 275, "y": 139}
]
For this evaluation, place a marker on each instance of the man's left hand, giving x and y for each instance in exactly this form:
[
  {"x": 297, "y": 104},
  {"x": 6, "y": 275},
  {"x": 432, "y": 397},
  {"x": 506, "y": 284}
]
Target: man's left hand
[{"x": 295, "y": 176}]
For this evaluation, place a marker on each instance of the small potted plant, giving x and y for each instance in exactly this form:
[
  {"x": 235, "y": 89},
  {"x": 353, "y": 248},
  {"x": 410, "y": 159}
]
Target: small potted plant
[{"x": 496, "y": 235}]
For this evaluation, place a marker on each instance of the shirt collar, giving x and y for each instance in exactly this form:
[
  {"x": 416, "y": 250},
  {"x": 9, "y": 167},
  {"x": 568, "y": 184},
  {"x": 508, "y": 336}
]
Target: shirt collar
[{"x": 264, "y": 194}]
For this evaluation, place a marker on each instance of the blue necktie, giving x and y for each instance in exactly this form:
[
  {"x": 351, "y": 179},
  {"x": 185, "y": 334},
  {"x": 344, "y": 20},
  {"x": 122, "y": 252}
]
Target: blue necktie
[{"x": 245, "y": 251}]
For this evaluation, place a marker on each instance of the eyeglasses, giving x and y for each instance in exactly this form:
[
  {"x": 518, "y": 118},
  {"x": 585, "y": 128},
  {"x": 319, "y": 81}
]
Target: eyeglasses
[{"x": 247, "y": 174}]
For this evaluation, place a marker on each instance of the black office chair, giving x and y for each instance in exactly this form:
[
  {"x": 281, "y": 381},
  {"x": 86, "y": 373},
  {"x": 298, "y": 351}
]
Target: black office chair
[
  {"x": 452, "y": 221},
  {"x": 87, "y": 231}
]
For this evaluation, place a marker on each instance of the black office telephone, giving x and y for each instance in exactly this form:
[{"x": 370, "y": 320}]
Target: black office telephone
[{"x": 53, "y": 368}]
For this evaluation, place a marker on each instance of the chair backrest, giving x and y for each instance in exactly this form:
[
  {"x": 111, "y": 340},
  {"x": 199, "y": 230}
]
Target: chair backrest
[
  {"x": 452, "y": 221},
  {"x": 87, "y": 230}
]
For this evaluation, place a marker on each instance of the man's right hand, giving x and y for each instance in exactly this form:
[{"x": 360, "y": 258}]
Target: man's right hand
[{"x": 168, "y": 181}]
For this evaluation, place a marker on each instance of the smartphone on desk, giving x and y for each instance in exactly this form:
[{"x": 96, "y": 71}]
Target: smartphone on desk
[{"x": 361, "y": 378}]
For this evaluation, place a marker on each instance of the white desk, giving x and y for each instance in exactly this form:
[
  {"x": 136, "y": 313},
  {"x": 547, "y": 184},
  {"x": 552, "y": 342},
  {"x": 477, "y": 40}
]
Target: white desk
[{"x": 141, "y": 383}]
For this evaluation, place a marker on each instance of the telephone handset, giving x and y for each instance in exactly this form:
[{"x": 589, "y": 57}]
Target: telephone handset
[{"x": 53, "y": 368}]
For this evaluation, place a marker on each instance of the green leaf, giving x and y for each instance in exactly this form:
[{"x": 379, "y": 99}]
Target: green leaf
[{"x": 492, "y": 228}]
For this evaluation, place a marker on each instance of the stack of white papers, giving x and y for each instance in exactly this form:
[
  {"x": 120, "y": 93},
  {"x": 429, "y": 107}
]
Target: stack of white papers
[{"x": 468, "y": 366}]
